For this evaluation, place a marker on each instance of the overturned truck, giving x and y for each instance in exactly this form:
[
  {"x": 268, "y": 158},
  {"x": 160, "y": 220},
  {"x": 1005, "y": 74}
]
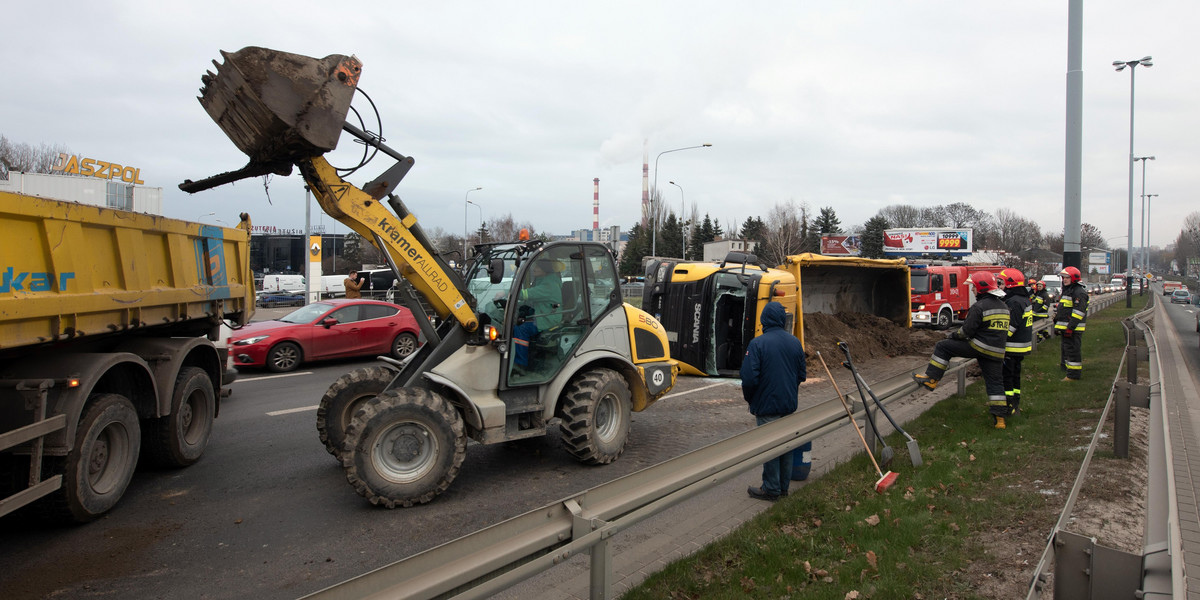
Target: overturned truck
[{"x": 711, "y": 310}]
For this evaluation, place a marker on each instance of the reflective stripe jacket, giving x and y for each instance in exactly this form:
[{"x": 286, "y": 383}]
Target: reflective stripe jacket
[
  {"x": 1041, "y": 304},
  {"x": 986, "y": 326},
  {"x": 1072, "y": 309},
  {"x": 1020, "y": 321}
]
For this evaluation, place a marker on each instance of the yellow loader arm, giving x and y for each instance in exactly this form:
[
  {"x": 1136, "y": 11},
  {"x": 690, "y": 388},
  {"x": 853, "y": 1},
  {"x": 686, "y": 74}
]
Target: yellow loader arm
[{"x": 284, "y": 109}]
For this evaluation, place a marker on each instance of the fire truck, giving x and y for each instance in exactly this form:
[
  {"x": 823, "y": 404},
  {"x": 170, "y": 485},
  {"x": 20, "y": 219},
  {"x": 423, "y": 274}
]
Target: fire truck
[{"x": 940, "y": 294}]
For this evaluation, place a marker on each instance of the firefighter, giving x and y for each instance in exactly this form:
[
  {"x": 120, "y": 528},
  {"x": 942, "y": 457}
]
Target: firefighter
[
  {"x": 1070, "y": 320},
  {"x": 1020, "y": 334},
  {"x": 983, "y": 336},
  {"x": 1041, "y": 307}
]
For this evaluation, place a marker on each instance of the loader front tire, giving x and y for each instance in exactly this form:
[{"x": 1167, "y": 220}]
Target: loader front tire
[
  {"x": 403, "y": 447},
  {"x": 343, "y": 399},
  {"x": 595, "y": 416}
]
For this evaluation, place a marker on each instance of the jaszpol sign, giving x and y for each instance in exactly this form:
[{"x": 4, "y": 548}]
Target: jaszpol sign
[{"x": 90, "y": 167}]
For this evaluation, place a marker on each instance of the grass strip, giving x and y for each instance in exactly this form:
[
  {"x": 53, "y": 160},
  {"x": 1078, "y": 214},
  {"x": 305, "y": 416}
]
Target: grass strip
[{"x": 836, "y": 537}]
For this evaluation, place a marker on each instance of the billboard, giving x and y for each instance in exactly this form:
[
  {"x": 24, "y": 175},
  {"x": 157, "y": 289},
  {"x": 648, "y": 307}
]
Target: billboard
[
  {"x": 840, "y": 245},
  {"x": 1098, "y": 262},
  {"x": 935, "y": 242}
]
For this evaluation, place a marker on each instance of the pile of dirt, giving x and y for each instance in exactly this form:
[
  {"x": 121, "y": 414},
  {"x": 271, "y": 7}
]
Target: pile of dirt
[{"x": 867, "y": 336}]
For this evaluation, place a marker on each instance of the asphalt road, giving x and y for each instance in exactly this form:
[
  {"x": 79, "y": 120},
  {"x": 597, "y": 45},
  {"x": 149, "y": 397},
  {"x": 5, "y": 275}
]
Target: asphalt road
[
  {"x": 1183, "y": 318},
  {"x": 267, "y": 512}
]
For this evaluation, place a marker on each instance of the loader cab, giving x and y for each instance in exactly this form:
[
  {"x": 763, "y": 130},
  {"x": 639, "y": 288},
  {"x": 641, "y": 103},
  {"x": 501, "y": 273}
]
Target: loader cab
[{"x": 560, "y": 291}]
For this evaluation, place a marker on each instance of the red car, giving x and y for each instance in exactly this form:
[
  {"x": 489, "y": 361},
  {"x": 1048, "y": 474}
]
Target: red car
[{"x": 323, "y": 330}]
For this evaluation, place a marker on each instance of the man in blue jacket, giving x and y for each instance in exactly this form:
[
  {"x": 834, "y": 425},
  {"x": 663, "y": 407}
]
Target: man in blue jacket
[{"x": 771, "y": 375}]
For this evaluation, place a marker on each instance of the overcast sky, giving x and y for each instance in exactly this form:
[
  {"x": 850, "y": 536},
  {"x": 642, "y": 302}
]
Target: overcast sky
[{"x": 855, "y": 105}]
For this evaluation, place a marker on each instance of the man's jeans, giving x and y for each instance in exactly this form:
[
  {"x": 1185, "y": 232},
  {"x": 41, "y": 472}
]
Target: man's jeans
[{"x": 777, "y": 472}]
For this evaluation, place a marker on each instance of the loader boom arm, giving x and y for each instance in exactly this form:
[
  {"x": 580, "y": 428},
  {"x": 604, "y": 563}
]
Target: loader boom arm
[{"x": 395, "y": 235}]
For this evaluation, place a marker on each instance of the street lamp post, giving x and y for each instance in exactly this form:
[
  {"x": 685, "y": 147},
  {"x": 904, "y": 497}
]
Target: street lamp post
[
  {"x": 480, "y": 220},
  {"x": 1147, "y": 198},
  {"x": 1142, "y": 214},
  {"x": 682, "y": 226},
  {"x": 465, "y": 203},
  {"x": 654, "y": 225},
  {"x": 1120, "y": 65}
]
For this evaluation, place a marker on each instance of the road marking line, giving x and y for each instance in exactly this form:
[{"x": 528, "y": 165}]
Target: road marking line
[
  {"x": 712, "y": 385},
  {"x": 276, "y": 413},
  {"x": 266, "y": 377}
]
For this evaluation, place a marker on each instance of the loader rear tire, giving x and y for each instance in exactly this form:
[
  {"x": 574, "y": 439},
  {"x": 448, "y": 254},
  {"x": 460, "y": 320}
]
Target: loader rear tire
[
  {"x": 343, "y": 398},
  {"x": 595, "y": 416},
  {"x": 403, "y": 447}
]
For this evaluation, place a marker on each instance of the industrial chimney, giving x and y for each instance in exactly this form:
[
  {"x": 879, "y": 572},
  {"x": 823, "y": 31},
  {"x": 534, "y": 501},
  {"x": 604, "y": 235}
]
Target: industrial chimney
[{"x": 596, "y": 210}]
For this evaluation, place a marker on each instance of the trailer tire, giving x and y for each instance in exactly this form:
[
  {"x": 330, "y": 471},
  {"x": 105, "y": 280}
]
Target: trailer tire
[
  {"x": 595, "y": 416},
  {"x": 283, "y": 357},
  {"x": 404, "y": 447},
  {"x": 343, "y": 399},
  {"x": 100, "y": 465},
  {"x": 944, "y": 319},
  {"x": 179, "y": 439},
  {"x": 404, "y": 345}
]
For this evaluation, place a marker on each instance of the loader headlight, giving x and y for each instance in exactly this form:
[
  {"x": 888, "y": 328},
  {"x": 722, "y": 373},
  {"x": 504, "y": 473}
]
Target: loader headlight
[{"x": 252, "y": 340}]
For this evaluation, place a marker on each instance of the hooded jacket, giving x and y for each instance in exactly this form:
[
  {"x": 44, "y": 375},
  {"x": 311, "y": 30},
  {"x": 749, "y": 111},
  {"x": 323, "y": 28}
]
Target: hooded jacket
[{"x": 774, "y": 366}]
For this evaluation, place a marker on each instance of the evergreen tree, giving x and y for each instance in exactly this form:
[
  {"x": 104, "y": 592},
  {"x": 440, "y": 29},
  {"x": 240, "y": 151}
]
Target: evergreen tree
[
  {"x": 636, "y": 248},
  {"x": 827, "y": 222},
  {"x": 753, "y": 229},
  {"x": 872, "y": 237}
]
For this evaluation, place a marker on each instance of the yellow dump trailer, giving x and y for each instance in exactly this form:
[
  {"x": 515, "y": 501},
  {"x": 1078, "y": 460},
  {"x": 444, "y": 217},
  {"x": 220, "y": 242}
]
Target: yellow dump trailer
[
  {"x": 108, "y": 321},
  {"x": 711, "y": 310}
]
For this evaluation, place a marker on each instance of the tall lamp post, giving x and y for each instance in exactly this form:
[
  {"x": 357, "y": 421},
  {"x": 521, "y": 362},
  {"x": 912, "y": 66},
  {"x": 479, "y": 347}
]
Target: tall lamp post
[
  {"x": 1142, "y": 214},
  {"x": 654, "y": 229},
  {"x": 1146, "y": 198},
  {"x": 480, "y": 237},
  {"x": 682, "y": 226},
  {"x": 1120, "y": 65},
  {"x": 465, "y": 203}
]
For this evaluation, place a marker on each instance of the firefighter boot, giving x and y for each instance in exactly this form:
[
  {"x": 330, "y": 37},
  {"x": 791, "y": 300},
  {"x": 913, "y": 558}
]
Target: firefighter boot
[
  {"x": 925, "y": 380},
  {"x": 999, "y": 422}
]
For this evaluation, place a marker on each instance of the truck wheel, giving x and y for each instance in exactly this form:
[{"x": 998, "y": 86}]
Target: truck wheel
[
  {"x": 943, "y": 320},
  {"x": 283, "y": 357},
  {"x": 179, "y": 439},
  {"x": 98, "y": 469},
  {"x": 403, "y": 447},
  {"x": 403, "y": 346},
  {"x": 343, "y": 398},
  {"x": 595, "y": 416}
]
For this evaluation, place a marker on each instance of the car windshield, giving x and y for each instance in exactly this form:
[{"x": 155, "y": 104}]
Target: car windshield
[{"x": 307, "y": 314}]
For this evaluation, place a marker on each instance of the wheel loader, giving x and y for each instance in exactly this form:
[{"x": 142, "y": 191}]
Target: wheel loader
[{"x": 530, "y": 335}]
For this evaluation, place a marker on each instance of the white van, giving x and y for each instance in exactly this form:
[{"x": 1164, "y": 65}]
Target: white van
[
  {"x": 333, "y": 286},
  {"x": 284, "y": 283},
  {"x": 1053, "y": 286}
]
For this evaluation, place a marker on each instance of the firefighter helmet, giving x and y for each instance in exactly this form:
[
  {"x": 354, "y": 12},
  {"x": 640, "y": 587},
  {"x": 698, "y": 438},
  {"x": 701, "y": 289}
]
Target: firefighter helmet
[
  {"x": 983, "y": 282},
  {"x": 1039, "y": 285},
  {"x": 1011, "y": 278},
  {"x": 1071, "y": 274}
]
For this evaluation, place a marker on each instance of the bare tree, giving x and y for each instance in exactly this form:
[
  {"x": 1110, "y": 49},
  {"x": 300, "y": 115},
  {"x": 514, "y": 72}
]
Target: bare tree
[
  {"x": 507, "y": 229},
  {"x": 785, "y": 231},
  {"x": 902, "y": 215},
  {"x": 1015, "y": 233},
  {"x": 29, "y": 159}
]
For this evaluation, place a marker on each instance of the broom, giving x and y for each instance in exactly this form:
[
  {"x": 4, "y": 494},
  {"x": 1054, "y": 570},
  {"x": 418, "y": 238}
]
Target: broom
[{"x": 885, "y": 480}]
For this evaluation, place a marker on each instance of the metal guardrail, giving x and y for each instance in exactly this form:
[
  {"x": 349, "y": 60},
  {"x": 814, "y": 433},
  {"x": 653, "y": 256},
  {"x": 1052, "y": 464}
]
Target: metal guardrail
[
  {"x": 1085, "y": 570},
  {"x": 491, "y": 560}
]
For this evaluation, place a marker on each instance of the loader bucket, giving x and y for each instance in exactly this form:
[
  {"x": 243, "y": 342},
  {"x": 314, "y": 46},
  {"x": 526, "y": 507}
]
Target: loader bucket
[{"x": 279, "y": 107}]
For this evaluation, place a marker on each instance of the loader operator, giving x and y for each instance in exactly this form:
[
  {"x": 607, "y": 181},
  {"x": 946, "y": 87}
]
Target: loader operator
[
  {"x": 1070, "y": 319},
  {"x": 983, "y": 336},
  {"x": 1020, "y": 334},
  {"x": 544, "y": 294}
]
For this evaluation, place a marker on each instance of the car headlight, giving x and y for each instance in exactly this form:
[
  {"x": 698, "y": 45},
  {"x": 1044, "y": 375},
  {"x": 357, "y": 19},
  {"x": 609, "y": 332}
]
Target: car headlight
[{"x": 253, "y": 340}]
